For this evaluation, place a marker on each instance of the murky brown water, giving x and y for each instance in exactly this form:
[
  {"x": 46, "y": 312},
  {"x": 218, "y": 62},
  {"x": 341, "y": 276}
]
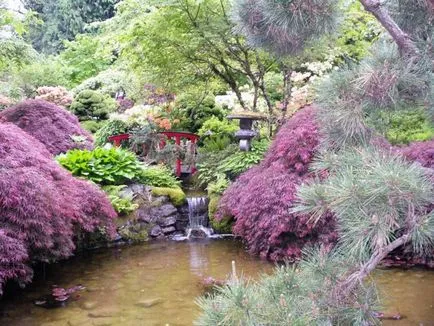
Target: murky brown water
[{"x": 156, "y": 284}]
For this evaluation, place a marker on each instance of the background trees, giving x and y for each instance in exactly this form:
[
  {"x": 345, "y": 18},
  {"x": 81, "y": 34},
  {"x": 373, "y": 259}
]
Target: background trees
[{"x": 63, "y": 20}]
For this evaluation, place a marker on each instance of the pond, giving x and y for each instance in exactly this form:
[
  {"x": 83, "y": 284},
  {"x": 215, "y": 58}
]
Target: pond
[{"x": 157, "y": 283}]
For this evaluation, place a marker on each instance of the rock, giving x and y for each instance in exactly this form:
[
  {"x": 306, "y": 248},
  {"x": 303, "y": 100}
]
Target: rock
[
  {"x": 101, "y": 314},
  {"x": 144, "y": 214},
  {"x": 149, "y": 303},
  {"x": 159, "y": 201},
  {"x": 164, "y": 211},
  {"x": 88, "y": 305},
  {"x": 167, "y": 221},
  {"x": 168, "y": 230},
  {"x": 156, "y": 231},
  {"x": 198, "y": 234},
  {"x": 181, "y": 225}
]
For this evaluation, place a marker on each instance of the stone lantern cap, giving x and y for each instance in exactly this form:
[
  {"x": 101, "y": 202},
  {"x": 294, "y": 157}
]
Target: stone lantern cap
[{"x": 247, "y": 115}]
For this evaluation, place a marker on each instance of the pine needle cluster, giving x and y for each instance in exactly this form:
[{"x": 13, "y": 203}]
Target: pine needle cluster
[{"x": 285, "y": 26}]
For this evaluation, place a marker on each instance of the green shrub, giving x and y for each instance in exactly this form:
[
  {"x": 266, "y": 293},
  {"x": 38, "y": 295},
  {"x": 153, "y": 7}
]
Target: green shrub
[
  {"x": 176, "y": 195},
  {"x": 218, "y": 126},
  {"x": 241, "y": 161},
  {"x": 158, "y": 176},
  {"x": 209, "y": 163},
  {"x": 215, "y": 191},
  {"x": 215, "y": 143},
  {"x": 103, "y": 166},
  {"x": 193, "y": 112},
  {"x": 230, "y": 162},
  {"x": 122, "y": 205},
  {"x": 406, "y": 126},
  {"x": 92, "y": 105},
  {"x": 92, "y": 125},
  {"x": 219, "y": 186},
  {"x": 223, "y": 225},
  {"x": 110, "y": 128}
]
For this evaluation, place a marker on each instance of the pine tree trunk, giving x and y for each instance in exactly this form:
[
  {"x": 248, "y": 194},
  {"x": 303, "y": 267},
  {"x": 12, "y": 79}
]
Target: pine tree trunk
[{"x": 405, "y": 44}]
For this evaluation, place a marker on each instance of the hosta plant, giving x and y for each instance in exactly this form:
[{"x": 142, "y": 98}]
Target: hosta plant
[{"x": 103, "y": 166}]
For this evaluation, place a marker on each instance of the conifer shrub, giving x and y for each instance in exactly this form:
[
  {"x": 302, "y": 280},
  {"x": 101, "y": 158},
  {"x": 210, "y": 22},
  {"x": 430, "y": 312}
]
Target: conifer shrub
[
  {"x": 92, "y": 105},
  {"x": 261, "y": 198},
  {"x": 53, "y": 126},
  {"x": 43, "y": 207}
]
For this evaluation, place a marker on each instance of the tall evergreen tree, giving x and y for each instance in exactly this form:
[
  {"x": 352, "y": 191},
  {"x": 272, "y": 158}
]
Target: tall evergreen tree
[{"x": 63, "y": 19}]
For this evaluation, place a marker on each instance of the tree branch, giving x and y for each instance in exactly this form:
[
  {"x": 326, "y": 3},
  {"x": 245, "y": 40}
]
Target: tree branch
[{"x": 405, "y": 44}]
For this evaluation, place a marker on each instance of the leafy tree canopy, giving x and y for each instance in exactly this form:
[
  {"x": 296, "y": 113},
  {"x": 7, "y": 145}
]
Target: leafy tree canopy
[{"x": 64, "y": 19}]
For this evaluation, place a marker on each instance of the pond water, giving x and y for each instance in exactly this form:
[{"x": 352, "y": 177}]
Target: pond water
[{"x": 156, "y": 284}]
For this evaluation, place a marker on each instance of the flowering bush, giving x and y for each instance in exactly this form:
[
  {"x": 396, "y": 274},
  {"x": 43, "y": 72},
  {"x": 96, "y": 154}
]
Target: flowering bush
[
  {"x": 261, "y": 198},
  {"x": 125, "y": 104},
  {"x": 55, "y": 127},
  {"x": 41, "y": 206},
  {"x": 57, "y": 95}
]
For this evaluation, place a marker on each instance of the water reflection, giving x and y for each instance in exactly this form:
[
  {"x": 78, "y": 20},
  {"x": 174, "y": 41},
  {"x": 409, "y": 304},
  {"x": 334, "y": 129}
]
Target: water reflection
[{"x": 156, "y": 284}]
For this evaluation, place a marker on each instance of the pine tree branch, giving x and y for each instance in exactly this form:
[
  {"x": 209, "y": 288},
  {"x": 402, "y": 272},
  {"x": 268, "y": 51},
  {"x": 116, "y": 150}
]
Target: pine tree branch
[{"x": 405, "y": 44}]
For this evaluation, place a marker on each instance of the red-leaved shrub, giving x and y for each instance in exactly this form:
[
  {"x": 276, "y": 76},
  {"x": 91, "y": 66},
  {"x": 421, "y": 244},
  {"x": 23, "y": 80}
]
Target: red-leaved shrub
[
  {"x": 53, "y": 126},
  {"x": 42, "y": 206},
  {"x": 260, "y": 199},
  {"x": 422, "y": 152}
]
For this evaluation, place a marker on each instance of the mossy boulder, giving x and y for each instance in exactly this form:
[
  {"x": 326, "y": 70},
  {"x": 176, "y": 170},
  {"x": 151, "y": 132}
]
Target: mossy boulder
[
  {"x": 220, "y": 226},
  {"x": 176, "y": 195},
  {"x": 135, "y": 232}
]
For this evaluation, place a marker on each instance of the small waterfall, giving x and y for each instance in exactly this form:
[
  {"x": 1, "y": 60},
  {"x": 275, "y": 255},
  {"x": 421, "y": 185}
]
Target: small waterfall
[
  {"x": 198, "y": 218},
  {"x": 198, "y": 227}
]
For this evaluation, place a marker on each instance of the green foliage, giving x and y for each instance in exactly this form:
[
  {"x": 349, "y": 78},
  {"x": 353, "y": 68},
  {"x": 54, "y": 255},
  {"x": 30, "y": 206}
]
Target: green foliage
[
  {"x": 219, "y": 186},
  {"x": 64, "y": 19},
  {"x": 110, "y": 81},
  {"x": 293, "y": 295},
  {"x": 223, "y": 225},
  {"x": 230, "y": 162},
  {"x": 85, "y": 58},
  {"x": 215, "y": 191},
  {"x": 371, "y": 193},
  {"x": 216, "y": 126},
  {"x": 159, "y": 176},
  {"x": 103, "y": 166},
  {"x": 384, "y": 81},
  {"x": 43, "y": 72},
  {"x": 357, "y": 32},
  {"x": 176, "y": 195},
  {"x": 92, "y": 105},
  {"x": 404, "y": 126},
  {"x": 92, "y": 125},
  {"x": 241, "y": 161},
  {"x": 215, "y": 143},
  {"x": 209, "y": 162},
  {"x": 194, "y": 112},
  {"x": 122, "y": 205},
  {"x": 110, "y": 128}
]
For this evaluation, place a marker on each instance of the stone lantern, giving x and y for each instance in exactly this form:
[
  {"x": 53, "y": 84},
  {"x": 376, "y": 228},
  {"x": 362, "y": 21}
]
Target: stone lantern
[{"x": 246, "y": 133}]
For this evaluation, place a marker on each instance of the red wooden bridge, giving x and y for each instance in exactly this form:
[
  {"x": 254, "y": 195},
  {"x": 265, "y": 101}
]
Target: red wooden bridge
[{"x": 179, "y": 137}]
